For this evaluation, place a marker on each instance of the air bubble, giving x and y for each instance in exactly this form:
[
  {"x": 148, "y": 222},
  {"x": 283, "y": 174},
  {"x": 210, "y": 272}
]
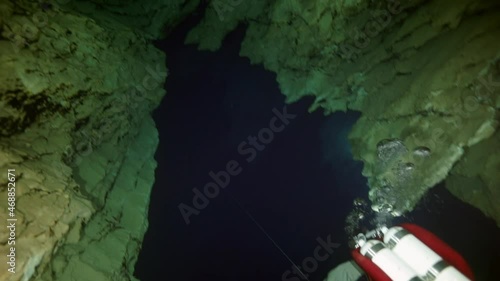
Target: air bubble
[
  {"x": 422, "y": 151},
  {"x": 408, "y": 166},
  {"x": 390, "y": 149}
]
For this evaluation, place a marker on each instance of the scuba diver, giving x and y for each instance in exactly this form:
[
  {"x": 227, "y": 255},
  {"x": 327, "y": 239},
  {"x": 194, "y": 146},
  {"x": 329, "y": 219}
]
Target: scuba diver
[{"x": 406, "y": 252}]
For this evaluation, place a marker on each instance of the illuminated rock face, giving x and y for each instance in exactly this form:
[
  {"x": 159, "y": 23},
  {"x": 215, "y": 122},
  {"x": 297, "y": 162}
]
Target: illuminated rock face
[
  {"x": 76, "y": 93},
  {"x": 476, "y": 178},
  {"x": 78, "y": 82},
  {"x": 424, "y": 73}
]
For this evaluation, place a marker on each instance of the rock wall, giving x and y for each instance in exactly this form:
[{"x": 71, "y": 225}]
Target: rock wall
[
  {"x": 78, "y": 81},
  {"x": 152, "y": 18},
  {"x": 424, "y": 74}
]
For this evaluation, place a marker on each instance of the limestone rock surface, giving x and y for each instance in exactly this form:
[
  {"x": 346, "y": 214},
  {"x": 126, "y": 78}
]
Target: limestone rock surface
[
  {"x": 424, "y": 74},
  {"x": 79, "y": 79},
  {"x": 152, "y": 18},
  {"x": 76, "y": 95}
]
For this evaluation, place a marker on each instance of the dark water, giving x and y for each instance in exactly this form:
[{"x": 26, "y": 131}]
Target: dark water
[{"x": 298, "y": 189}]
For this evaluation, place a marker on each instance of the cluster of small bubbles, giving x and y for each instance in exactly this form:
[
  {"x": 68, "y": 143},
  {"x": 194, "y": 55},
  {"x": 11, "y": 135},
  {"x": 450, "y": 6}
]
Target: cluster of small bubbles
[
  {"x": 385, "y": 207},
  {"x": 388, "y": 149},
  {"x": 356, "y": 217},
  {"x": 384, "y": 195},
  {"x": 403, "y": 170},
  {"x": 382, "y": 218},
  {"x": 362, "y": 218}
]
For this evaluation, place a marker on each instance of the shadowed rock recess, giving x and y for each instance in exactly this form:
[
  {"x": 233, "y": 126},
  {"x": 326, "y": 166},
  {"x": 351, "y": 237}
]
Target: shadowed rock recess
[{"x": 79, "y": 80}]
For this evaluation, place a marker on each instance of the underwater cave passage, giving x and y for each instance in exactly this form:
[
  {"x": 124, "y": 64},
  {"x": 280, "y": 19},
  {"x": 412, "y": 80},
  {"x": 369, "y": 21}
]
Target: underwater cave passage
[
  {"x": 289, "y": 187},
  {"x": 214, "y": 102}
]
